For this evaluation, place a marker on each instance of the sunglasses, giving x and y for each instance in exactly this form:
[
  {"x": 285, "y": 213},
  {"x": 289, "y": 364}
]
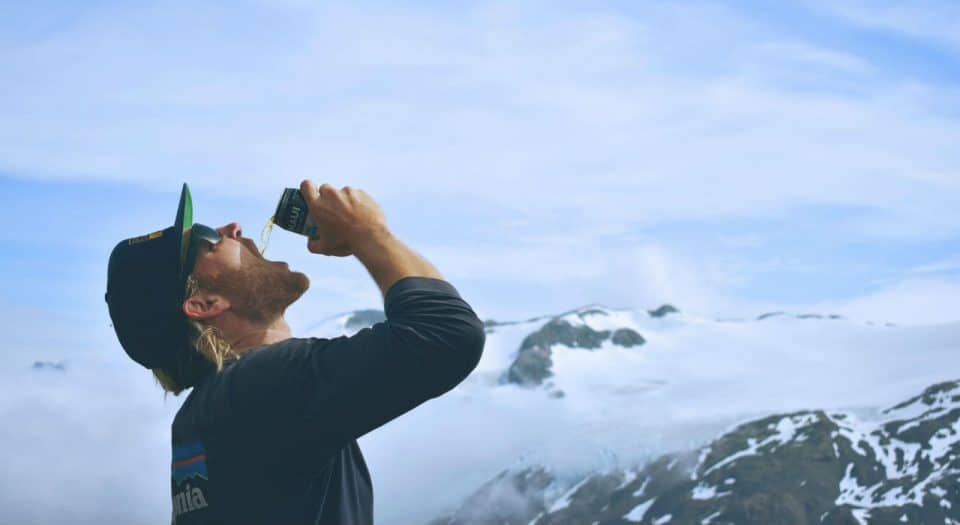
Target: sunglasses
[{"x": 194, "y": 239}]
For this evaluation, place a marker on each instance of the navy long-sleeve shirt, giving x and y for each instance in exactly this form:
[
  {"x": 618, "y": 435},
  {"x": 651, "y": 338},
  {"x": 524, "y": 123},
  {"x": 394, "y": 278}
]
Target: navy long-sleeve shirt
[{"x": 271, "y": 439}]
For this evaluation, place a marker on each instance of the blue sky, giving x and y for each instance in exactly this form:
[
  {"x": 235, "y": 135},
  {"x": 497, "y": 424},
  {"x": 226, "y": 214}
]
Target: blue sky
[{"x": 728, "y": 157}]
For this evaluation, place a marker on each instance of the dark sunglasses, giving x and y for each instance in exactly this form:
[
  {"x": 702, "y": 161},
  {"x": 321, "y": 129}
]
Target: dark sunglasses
[{"x": 194, "y": 239}]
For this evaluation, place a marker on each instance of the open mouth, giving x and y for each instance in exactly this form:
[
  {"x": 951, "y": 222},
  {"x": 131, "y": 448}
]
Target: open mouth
[{"x": 252, "y": 247}]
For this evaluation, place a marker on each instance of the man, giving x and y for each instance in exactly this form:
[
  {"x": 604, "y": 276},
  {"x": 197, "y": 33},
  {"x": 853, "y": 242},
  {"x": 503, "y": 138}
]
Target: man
[{"x": 268, "y": 433}]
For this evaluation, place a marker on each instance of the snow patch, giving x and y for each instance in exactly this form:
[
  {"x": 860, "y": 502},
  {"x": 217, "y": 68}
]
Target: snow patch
[
  {"x": 639, "y": 511},
  {"x": 708, "y": 519},
  {"x": 703, "y": 491}
]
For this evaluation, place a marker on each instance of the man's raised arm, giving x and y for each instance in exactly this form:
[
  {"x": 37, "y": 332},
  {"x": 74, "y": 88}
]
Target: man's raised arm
[{"x": 335, "y": 390}]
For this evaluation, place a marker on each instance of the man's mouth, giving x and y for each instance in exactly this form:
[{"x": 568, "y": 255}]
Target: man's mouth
[
  {"x": 252, "y": 247},
  {"x": 256, "y": 251}
]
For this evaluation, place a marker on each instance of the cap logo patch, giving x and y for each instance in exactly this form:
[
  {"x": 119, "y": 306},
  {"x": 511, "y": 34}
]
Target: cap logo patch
[{"x": 147, "y": 237}]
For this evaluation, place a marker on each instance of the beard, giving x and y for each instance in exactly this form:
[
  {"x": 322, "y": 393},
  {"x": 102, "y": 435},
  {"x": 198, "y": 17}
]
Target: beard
[{"x": 259, "y": 291}]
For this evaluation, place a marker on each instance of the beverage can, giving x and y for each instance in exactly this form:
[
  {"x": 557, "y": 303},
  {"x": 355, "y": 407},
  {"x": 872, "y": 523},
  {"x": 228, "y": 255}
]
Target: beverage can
[{"x": 293, "y": 215}]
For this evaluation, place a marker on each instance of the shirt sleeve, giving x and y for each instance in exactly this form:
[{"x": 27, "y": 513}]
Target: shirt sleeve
[{"x": 318, "y": 394}]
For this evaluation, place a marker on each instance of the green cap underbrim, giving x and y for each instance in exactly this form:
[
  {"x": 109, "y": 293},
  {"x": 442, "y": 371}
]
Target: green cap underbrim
[{"x": 182, "y": 225}]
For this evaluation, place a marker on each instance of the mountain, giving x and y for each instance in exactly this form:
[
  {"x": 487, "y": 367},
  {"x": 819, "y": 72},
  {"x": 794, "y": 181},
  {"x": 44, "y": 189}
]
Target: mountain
[
  {"x": 811, "y": 466},
  {"x": 666, "y": 309},
  {"x": 533, "y": 363},
  {"x": 599, "y": 396}
]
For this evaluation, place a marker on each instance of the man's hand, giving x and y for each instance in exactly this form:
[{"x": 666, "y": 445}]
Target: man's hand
[
  {"x": 349, "y": 222},
  {"x": 345, "y": 218}
]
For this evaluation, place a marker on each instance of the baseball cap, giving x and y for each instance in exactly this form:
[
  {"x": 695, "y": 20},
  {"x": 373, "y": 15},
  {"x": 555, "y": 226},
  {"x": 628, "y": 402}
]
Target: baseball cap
[{"x": 146, "y": 277}]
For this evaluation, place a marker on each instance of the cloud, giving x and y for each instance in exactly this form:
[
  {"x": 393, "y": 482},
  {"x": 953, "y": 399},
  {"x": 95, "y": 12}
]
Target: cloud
[
  {"x": 914, "y": 301},
  {"x": 944, "y": 265},
  {"x": 929, "y": 20},
  {"x": 96, "y": 434},
  {"x": 538, "y": 113},
  {"x": 573, "y": 269},
  {"x": 806, "y": 54}
]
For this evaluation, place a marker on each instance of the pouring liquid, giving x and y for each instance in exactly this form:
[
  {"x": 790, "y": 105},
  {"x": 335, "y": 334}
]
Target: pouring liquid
[{"x": 265, "y": 235}]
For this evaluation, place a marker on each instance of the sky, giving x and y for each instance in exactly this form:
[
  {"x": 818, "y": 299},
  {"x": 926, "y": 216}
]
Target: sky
[
  {"x": 730, "y": 158},
  {"x": 724, "y": 157}
]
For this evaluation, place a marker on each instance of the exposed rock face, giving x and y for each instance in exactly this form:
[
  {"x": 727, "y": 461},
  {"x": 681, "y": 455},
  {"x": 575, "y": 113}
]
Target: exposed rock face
[
  {"x": 533, "y": 362},
  {"x": 768, "y": 315},
  {"x": 627, "y": 337},
  {"x": 663, "y": 311},
  {"x": 364, "y": 318},
  {"x": 531, "y": 367},
  {"x": 560, "y": 332},
  {"x": 808, "y": 467}
]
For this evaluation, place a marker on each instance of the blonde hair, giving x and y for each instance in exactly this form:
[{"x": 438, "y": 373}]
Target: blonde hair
[{"x": 204, "y": 348}]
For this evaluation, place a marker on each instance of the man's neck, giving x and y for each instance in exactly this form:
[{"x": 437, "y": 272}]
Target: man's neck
[{"x": 245, "y": 335}]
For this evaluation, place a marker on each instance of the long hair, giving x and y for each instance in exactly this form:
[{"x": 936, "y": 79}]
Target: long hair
[{"x": 203, "y": 351}]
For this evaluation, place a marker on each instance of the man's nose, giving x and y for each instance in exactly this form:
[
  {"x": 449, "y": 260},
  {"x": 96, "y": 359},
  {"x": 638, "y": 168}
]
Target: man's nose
[{"x": 231, "y": 230}]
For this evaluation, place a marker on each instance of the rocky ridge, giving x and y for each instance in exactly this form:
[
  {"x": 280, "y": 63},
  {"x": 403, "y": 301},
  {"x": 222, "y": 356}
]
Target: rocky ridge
[
  {"x": 532, "y": 365},
  {"x": 813, "y": 466}
]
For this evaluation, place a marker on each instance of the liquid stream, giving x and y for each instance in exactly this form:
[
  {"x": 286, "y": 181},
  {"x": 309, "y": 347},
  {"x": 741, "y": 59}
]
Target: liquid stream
[{"x": 265, "y": 235}]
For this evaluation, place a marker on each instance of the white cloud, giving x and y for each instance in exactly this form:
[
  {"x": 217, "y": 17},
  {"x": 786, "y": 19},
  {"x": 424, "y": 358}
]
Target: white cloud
[
  {"x": 908, "y": 302},
  {"x": 943, "y": 265},
  {"x": 804, "y": 53},
  {"x": 536, "y": 113},
  {"x": 928, "y": 19},
  {"x": 572, "y": 270},
  {"x": 654, "y": 276},
  {"x": 96, "y": 435}
]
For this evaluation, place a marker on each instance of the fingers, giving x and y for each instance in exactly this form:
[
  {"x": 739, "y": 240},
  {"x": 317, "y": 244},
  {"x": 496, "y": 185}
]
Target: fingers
[
  {"x": 312, "y": 193},
  {"x": 323, "y": 247},
  {"x": 325, "y": 189},
  {"x": 309, "y": 192},
  {"x": 340, "y": 215}
]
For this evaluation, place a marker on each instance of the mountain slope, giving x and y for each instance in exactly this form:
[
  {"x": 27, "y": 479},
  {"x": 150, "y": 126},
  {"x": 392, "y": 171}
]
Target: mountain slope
[
  {"x": 691, "y": 380},
  {"x": 900, "y": 466}
]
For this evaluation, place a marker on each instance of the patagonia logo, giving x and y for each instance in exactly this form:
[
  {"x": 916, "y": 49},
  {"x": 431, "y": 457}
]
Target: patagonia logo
[
  {"x": 189, "y": 478},
  {"x": 147, "y": 237}
]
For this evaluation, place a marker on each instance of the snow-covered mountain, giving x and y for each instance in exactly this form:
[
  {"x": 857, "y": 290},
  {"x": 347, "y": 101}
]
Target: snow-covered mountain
[
  {"x": 902, "y": 466},
  {"x": 568, "y": 415}
]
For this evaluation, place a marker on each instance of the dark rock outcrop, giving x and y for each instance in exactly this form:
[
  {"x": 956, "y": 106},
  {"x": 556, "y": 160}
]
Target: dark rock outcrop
[
  {"x": 533, "y": 363},
  {"x": 531, "y": 367},
  {"x": 627, "y": 337},
  {"x": 364, "y": 318},
  {"x": 768, "y": 315},
  {"x": 663, "y": 311},
  {"x": 560, "y": 332}
]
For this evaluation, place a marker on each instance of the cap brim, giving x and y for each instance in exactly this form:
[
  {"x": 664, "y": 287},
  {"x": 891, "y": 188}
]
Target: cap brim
[{"x": 183, "y": 223}]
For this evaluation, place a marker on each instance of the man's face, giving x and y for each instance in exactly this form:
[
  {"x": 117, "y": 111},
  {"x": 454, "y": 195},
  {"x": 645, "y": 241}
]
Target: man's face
[{"x": 258, "y": 289}]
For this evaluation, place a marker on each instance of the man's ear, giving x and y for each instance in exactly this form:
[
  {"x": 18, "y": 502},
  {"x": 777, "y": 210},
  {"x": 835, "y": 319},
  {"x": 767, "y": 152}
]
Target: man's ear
[{"x": 202, "y": 305}]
